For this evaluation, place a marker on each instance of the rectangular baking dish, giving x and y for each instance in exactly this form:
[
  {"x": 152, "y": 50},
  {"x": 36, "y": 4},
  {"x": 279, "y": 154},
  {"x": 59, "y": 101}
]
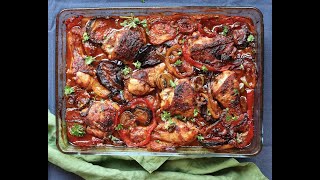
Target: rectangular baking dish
[{"x": 61, "y": 130}]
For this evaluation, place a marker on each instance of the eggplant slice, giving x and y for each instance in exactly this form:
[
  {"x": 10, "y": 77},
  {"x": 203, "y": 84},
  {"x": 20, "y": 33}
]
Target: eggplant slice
[
  {"x": 109, "y": 75},
  {"x": 149, "y": 55}
]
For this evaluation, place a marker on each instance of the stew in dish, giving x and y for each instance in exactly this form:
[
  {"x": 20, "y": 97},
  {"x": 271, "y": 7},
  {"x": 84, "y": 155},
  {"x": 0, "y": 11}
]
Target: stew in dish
[{"x": 161, "y": 81}]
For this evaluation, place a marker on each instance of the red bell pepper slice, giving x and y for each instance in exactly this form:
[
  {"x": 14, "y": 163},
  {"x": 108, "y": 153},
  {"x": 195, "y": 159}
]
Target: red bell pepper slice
[{"x": 125, "y": 133}]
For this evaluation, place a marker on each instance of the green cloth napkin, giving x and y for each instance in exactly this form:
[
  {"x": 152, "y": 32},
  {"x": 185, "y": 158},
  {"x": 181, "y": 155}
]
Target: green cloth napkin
[{"x": 148, "y": 167}]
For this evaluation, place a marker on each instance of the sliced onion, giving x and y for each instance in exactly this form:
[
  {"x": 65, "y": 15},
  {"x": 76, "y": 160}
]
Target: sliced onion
[
  {"x": 197, "y": 82},
  {"x": 172, "y": 69},
  {"x": 163, "y": 80},
  {"x": 212, "y": 106}
]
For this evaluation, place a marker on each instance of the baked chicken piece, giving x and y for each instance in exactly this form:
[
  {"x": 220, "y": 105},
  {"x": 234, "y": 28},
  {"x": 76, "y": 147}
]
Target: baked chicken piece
[
  {"x": 101, "y": 118},
  {"x": 123, "y": 44},
  {"x": 225, "y": 88},
  {"x": 179, "y": 100},
  {"x": 142, "y": 81}
]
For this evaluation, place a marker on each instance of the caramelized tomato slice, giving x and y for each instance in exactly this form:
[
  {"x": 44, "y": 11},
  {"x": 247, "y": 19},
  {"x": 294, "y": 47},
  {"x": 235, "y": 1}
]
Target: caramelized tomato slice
[
  {"x": 161, "y": 32},
  {"x": 186, "y": 25}
]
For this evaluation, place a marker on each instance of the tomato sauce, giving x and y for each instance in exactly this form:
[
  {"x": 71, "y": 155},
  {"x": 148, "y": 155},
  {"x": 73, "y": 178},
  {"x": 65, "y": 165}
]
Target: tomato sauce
[{"x": 209, "y": 46}]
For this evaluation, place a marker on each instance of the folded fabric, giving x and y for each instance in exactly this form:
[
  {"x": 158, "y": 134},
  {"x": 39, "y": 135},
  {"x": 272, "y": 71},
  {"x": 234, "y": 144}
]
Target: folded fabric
[{"x": 148, "y": 167}]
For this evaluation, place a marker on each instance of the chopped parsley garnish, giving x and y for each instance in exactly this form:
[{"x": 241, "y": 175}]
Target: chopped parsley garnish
[
  {"x": 178, "y": 62},
  {"x": 225, "y": 30},
  {"x": 114, "y": 139},
  {"x": 195, "y": 112},
  {"x": 68, "y": 90},
  {"x": 178, "y": 116},
  {"x": 170, "y": 124},
  {"x": 165, "y": 116},
  {"x": 236, "y": 92},
  {"x": 143, "y": 1},
  {"x": 208, "y": 112},
  {"x": 200, "y": 137},
  {"x": 88, "y": 60},
  {"x": 204, "y": 68},
  {"x": 85, "y": 37},
  {"x": 250, "y": 38},
  {"x": 137, "y": 64},
  {"x": 235, "y": 118},
  {"x": 172, "y": 84},
  {"x": 77, "y": 130},
  {"x": 126, "y": 70},
  {"x": 157, "y": 141},
  {"x": 119, "y": 127},
  {"x": 228, "y": 117},
  {"x": 179, "y": 53},
  {"x": 133, "y": 21}
]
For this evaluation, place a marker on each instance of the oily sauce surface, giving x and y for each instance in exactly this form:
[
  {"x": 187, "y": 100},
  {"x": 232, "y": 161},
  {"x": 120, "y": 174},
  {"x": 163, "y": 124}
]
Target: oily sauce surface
[{"x": 160, "y": 82}]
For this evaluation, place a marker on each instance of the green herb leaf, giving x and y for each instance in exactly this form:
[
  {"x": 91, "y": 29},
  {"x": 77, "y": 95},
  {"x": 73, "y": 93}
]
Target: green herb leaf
[
  {"x": 119, "y": 127},
  {"x": 114, "y": 139},
  {"x": 193, "y": 119},
  {"x": 157, "y": 141},
  {"x": 170, "y": 124},
  {"x": 165, "y": 116},
  {"x": 179, "y": 53},
  {"x": 144, "y": 23},
  {"x": 68, "y": 90},
  {"x": 85, "y": 37},
  {"x": 133, "y": 21},
  {"x": 137, "y": 64},
  {"x": 236, "y": 92},
  {"x": 126, "y": 70},
  {"x": 77, "y": 130},
  {"x": 178, "y": 117},
  {"x": 225, "y": 31},
  {"x": 195, "y": 112},
  {"x": 250, "y": 38},
  {"x": 143, "y": 1},
  {"x": 88, "y": 60},
  {"x": 178, "y": 62},
  {"x": 228, "y": 117},
  {"x": 204, "y": 68},
  {"x": 200, "y": 137},
  {"x": 208, "y": 112},
  {"x": 172, "y": 84},
  {"x": 234, "y": 118}
]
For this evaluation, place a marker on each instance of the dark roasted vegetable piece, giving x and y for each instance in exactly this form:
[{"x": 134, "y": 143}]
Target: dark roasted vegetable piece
[
  {"x": 109, "y": 75},
  {"x": 143, "y": 115},
  {"x": 148, "y": 56}
]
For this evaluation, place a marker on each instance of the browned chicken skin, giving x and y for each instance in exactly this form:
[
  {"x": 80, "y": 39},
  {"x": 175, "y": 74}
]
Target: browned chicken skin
[
  {"x": 225, "y": 88},
  {"x": 76, "y": 51},
  {"x": 180, "y": 100},
  {"x": 207, "y": 49},
  {"x": 101, "y": 118},
  {"x": 182, "y": 133},
  {"x": 142, "y": 81},
  {"x": 123, "y": 44}
]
